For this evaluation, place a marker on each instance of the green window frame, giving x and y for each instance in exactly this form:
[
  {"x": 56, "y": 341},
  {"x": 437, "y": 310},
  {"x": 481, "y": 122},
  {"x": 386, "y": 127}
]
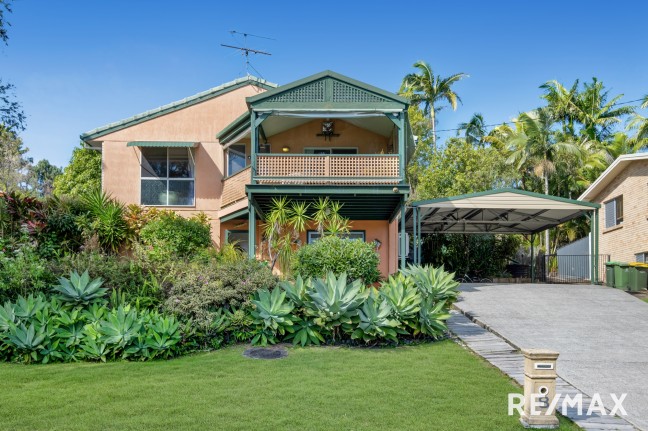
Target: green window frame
[{"x": 167, "y": 177}]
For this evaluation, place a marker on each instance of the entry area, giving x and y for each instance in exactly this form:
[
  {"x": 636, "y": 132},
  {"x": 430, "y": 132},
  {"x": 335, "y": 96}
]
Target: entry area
[{"x": 502, "y": 211}]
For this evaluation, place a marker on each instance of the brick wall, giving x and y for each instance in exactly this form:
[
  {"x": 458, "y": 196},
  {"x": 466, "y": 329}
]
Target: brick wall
[{"x": 622, "y": 242}]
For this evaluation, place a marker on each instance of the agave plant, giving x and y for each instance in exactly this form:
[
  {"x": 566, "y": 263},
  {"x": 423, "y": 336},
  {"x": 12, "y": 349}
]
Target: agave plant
[
  {"x": 94, "y": 350},
  {"x": 296, "y": 291},
  {"x": 376, "y": 320},
  {"x": 162, "y": 335},
  {"x": 7, "y": 317},
  {"x": 27, "y": 340},
  {"x": 306, "y": 332},
  {"x": 272, "y": 314},
  {"x": 333, "y": 303},
  {"x": 70, "y": 327},
  {"x": 403, "y": 297},
  {"x": 79, "y": 289},
  {"x": 434, "y": 283},
  {"x": 120, "y": 327},
  {"x": 27, "y": 308},
  {"x": 432, "y": 317}
]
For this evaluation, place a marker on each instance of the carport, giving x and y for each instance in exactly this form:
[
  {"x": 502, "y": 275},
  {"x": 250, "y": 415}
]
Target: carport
[{"x": 502, "y": 211}]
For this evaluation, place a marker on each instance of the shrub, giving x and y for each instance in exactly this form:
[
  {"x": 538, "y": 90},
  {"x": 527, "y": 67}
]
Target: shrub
[
  {"x": 356, "y": 258},
  {"x": 171, "y": 235},
  {"x": 199, "y": 291},
  {"x": 23, "y": 272}
]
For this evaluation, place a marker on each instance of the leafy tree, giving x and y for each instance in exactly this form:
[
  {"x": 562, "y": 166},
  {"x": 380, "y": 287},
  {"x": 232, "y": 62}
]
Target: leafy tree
[
  {"x": 640, "y": 124},
  {"x": 82, "y": 175},
  {"x": 461, "y": 168},
  {"x": 11, "y": 113},
  {"x": 13, "y": 163},
  {"x": 428, "y": 90},
  {"x": 42, "y": 176}
]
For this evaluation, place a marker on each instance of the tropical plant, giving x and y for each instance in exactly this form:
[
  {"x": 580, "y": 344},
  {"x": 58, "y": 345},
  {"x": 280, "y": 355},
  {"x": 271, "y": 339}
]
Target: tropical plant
[
  {"x": 106, "y": 220},
  {"x": 424, "y": 88},
  {"x": 333, "y": 303},
  {"x": 403, "y": 297},
  {"x": 376, "y": 321},
  {"x": 79, "y": 289},
  {"x": 121, "y": 327},
  {"x": 434, "y": 284},
  {"x": 272, "y": 314},
  {"x": 432, "y": 317}
]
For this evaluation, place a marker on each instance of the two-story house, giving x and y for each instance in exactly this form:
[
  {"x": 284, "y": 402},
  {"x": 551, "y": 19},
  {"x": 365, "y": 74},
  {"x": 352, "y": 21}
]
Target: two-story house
[{"x": 230, "y": 150}]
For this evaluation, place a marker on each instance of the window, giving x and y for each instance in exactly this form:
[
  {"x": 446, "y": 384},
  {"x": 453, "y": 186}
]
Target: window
[
  {"x": 614, "y": 212},
  {"x": 239, "y": 238},
  {"x": 331, "y": 150},
  {"x": 236, "y": 160},
  {"x": 642, "y": 257},
  {"x": 313, "y": 235},
  {"x": 167, "y": 177}
]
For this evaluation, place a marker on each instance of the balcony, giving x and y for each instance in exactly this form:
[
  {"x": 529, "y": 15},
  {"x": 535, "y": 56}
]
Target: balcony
[
  {"x": 327, "y": 169},
  {"x": 301, "y": 169}
]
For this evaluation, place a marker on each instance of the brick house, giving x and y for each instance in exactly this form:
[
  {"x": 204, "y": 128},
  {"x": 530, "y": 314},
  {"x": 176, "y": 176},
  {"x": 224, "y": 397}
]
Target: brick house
[{"x": 622, "y": 191}]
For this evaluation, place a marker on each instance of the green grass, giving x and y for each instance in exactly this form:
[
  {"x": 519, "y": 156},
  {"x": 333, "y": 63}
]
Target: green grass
[{"x": 437, "y": 386}]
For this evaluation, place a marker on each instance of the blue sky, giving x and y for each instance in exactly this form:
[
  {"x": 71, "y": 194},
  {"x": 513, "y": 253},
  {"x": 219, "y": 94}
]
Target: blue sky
[{"x": 78, "y": 65}]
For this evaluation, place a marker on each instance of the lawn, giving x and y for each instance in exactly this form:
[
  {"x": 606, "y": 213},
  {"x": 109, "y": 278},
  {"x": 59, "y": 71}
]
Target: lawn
[{"x": 437, "y": 386}]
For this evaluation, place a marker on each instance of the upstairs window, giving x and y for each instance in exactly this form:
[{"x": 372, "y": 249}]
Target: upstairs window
[
  {"x": 167, "y": 177},
  {"x": 236, "y": 160},
  {"x": 314, "y": 235},
  {"x": 614, "y": 212}
]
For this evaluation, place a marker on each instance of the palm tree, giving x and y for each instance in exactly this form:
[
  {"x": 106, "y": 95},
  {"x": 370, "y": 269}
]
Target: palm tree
[
  {"x": 533, "y": 147},
  {"x": 474, "y": 130},
  {"x": 424, "y": 88},
  {"x": 640, "y": 123}
]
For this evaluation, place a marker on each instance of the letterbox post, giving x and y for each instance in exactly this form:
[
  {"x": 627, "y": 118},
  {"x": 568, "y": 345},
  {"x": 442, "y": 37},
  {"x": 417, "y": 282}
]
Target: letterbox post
[{"x": 539, "y": 388}]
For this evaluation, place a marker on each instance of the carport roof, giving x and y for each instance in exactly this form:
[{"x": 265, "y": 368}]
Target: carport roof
[{"x": 503, "y": 211}]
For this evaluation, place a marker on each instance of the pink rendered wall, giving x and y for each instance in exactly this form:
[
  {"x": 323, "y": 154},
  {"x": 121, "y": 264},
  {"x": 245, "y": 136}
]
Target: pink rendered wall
[{"x": 198, "y": 123}]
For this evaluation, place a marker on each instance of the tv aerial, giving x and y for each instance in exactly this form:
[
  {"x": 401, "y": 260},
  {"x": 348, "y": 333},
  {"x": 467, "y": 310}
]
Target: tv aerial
[{"x": 246, "y": 50}]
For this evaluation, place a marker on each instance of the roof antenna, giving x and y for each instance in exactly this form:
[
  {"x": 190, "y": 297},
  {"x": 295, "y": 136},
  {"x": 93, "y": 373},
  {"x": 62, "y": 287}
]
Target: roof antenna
[{"x": 246, "y": 51}]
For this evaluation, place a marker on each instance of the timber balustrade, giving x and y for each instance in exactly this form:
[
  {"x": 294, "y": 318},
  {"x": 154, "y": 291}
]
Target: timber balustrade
[
  {"x": 357, "y": 169},
  {"x": 325, "y": 169}
]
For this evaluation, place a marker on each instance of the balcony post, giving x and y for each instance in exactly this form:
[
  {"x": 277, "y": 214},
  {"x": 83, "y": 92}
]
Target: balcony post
[
  {"x": 251, "y": 229},
  {"x": 400, "y": 122},
  {"x": 254, "y": 145}
]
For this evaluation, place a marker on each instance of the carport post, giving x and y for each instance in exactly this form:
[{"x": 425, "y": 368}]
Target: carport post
[
  {"x": 418, "y": 222},
  {"x": 596, "y": 245},
  {"x": 414, "y": 228},
  {"x": 532, "y": 260},
  {"x": 592, "y": 219},
  {"x": 403, "y": 235}
]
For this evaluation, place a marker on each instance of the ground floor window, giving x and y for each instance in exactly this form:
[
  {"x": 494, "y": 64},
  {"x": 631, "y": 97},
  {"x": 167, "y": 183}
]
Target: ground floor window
[
  {"x": 167, "y": 177},
  {"x": 238, "y": 237},
  {"x": 353, "y": 234}
]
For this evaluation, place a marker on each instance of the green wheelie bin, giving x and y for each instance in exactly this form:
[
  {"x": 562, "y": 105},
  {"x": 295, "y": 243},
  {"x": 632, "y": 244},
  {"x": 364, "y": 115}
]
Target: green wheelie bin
[
  {"x": 637, "y": 276},
  {"x": 621, "y": 275},
  {"x": 609, "y": 273}
]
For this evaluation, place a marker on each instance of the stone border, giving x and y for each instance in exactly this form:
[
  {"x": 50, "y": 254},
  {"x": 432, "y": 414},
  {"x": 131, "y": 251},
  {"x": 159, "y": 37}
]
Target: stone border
[{"x": 504, "y": 355}]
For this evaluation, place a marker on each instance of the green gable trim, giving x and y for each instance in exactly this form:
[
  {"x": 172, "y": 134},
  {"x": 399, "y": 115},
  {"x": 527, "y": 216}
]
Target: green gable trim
[
  {"x": 161, "y": 144},
  {"x": 234, "y": 128},
  {"x": 328, "y": 89},
  {"x": 507, "y": 190},
  {"x": 243, "y": 213},
  {"x": 175, "y": 106}
]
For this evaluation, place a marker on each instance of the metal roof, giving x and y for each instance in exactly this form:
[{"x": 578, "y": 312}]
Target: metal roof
[
  {"x": 174, "y": 106},
  {"x": 504, "y": 211},
  {"x": 610, "y": 174}
]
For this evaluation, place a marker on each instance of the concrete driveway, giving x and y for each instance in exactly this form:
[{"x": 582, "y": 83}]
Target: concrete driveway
[{"x": 600, "y": 332}]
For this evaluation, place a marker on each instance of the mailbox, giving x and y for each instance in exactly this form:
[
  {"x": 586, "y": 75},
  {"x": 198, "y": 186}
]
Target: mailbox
[{"x": 539, "y": 388}]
